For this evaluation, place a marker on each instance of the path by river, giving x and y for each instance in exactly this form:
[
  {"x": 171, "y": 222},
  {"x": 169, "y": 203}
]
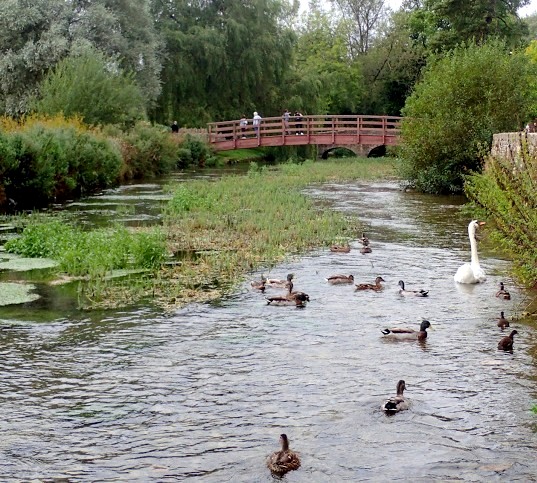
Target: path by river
[{"x": 203, "y": 394}]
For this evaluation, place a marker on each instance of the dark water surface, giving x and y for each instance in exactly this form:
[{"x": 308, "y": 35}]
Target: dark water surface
[{"x": 203, "y": 394}]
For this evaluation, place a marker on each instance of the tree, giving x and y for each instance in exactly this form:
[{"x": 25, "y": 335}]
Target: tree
[
  {"x": 443, "y": 24},
  {"x": 35, "y": 36},
  {"x": 463, "y": 99},
  {"x": 93, "y": 87},
  {"x": 224, "y": 58},
  {"x": 324, "y": 78},
  {"x": 365, "y": 17}
]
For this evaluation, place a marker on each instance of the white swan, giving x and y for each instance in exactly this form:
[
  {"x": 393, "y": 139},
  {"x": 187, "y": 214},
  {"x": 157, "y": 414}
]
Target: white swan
[{"x": 471, "y": 272}]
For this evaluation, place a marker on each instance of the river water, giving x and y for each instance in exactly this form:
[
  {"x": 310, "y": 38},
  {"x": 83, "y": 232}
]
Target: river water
[{"x": 203, "y": 394}]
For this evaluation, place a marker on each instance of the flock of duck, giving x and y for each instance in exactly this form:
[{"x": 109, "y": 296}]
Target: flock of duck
[{"x": 284, "y": 460}]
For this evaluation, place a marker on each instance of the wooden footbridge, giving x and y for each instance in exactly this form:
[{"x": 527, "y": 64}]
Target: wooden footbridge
[{"x": 360, "y": 134}]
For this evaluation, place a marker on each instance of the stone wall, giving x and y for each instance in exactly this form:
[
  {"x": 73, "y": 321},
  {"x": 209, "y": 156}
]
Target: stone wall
[{"x": 509, "y": 145}]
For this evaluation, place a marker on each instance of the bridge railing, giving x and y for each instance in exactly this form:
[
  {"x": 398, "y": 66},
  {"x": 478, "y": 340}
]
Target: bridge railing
[{"x": 316, "y": 128}]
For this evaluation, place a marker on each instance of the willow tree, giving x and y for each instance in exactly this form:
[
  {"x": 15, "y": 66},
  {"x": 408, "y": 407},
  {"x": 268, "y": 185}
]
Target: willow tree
[
  {"x": 223, "y": 58},
  {"x": 35, "y": 36}
]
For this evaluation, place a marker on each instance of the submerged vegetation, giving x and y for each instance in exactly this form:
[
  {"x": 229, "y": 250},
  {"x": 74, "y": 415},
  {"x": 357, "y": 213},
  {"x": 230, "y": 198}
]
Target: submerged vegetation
[{"x": 217, "y": 231}]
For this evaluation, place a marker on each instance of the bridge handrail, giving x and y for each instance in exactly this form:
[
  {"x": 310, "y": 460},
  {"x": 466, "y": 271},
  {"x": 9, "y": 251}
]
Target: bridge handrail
[{"x": 308, "y": 125}]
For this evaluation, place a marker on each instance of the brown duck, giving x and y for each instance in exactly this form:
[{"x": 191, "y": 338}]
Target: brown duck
[
  {"x": 371, "y": 286},
  {"x": 340, "y": 279},
  {"x": 297, "y": 299},
  {"x": 502, "y": 322},
  {"x": 283, "y": 461},
  {"x": 502, "y": 293},
  {"x": 506, "y": 344},
  {"x": 340, "y": 248},
  {"x": 398, "y": 402}
]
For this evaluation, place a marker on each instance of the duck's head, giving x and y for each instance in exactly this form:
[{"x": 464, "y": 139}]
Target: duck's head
[
  {"x": 401, "y": 386},
  {"x": 502, "y": 287},
  {"x": 290, "y": 276},
  {"x": 425, "y": 324},
  {"x": 402, "y": 284},
  {"x": 284, "y": 442},
  {"x": 512, "y": 334},
  {"x": 379, "y": 279}
]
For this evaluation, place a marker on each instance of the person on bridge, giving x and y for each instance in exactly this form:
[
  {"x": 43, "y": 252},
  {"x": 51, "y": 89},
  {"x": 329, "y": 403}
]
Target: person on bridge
[
  {"x": 285, "y": 118},
  {"x": 243, "y": 123},
  {"x": 256, "y": 122},
  {"x": 298, "y": 121}
]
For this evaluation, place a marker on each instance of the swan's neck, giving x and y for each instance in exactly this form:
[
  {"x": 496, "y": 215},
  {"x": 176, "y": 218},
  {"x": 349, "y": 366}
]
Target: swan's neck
[{"x": 473, "y": 247}]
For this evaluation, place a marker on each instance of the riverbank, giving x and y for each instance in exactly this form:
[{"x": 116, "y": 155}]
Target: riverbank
[{"x": 218, "y": 231}]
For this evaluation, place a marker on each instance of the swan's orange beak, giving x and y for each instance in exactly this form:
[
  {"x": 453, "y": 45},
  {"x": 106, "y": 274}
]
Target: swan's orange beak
[{"x": 481, "y": 223}]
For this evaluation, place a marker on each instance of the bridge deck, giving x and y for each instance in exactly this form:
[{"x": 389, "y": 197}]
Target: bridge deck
[{"x": 320, "y": 130}]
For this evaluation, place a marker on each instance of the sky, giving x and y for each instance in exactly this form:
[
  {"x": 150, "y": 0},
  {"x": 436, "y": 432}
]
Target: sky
[{"x": 524, "y": 12}]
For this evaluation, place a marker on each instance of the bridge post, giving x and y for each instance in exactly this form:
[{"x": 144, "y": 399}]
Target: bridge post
[
  {"x": 234, "y": 135},
  {"x": 334, "y": 130}
]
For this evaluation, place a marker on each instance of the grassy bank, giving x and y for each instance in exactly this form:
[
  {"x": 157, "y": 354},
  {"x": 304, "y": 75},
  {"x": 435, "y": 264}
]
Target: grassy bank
[{"x": 217, "y": 231}]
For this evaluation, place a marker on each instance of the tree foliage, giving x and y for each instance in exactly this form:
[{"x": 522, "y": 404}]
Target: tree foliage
[
  {"x": 224, "y": 58},
  {"x": 35, "y": 36},
  {"x": 91, "y": 86},
  {"x": 461, "y": 101}
]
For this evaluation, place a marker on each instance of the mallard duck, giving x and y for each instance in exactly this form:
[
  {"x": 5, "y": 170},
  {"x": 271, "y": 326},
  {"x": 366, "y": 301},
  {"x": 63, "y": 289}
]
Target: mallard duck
[
  {"x": 502, "y": 322},
  {"x": 502, "y": 293},
  {"x": 340, "y": 248},
  {"x": 339, "y": 279},
  {"x": 408, "y": 334},
  {"x": 364, "y": 240},
  {"x": 280, "y": 462},
  {"x": 279, "y": 283},
  {"x": 259, "y": 284},
  {"x": 398, "y": 402},
  {"x": 365, "y": 249},
  {"x": 506, "y": 344},
  {"x": 297, "y": 299},
  {"x": 371, "y": 286},
  {"x": 411, "y": 293}
]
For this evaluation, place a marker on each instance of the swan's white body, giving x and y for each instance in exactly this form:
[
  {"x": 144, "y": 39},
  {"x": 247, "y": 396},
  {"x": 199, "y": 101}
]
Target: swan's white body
[{"x": 471, "y": 272}]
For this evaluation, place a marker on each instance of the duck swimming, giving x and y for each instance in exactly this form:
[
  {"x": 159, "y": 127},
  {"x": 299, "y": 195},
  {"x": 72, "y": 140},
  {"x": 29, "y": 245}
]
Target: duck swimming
[
  {"x": 371, "y": 286},
  {"x": 398, "y": 402},
  {"x": 283, "y": 461},
  {"x": 506, "y": 344},
  {"x": 279, "y": 283},
  {"x": 297, "y": 299},
  {"x": 259, "y": 284},
  {"x": 339, "y": 279},
  {"x": 502, "y": 293},
  {"x": 411, "y": 293},
  {"x": 340, "y": 248},
  {"x": 408, "y": 334},
  {"x": 365, "y": 249},
  {"x": 502, "y": 322}
]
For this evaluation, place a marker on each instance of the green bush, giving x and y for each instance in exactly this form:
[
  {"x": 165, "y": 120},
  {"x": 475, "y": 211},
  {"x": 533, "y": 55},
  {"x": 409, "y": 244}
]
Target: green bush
[
  {"x": 505, "y": 191},
  {"x": 462, "y": 100},
  {"x": 148, "y": 151},
  {"x": 94, "y": 87},
  {"x": 194, "y": 151}
]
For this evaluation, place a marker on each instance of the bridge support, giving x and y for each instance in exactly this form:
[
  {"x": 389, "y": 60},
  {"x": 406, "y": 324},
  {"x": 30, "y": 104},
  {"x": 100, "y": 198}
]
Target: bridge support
[{"x": 362, "y": 150}]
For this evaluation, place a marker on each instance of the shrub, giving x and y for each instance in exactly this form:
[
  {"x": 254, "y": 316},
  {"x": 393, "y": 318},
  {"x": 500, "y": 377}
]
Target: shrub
[{"x": 463, "y": 99}]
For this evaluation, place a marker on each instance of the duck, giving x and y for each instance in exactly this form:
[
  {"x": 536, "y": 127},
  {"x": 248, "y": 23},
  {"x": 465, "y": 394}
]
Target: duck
[
  {"x": 259, "y": 284},
  {"x": 340, "y": 248},
  {"x": 411, "y": 293},
  {"x": 340, "y": 279},
  {"x": 279, "y": 283},
  {"x": 472, "y": 272},
  {"x": 398, "y": 402},
  {"x": 364, "y": 240},
  {"x": 283, "y": 461},
  {"x": 297, "y": 299},
  {"x": 502, "y": 293},
  {"x": 408, "y": 334},
  {"x": 365, "y": 249},
  {"x": 370, "y": 286},
  {"x": 502, "y": 322},
  {"x": 506, "y": 344}
]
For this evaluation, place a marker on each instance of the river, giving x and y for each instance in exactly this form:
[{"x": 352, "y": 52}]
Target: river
[{"x": 204, "y": 393}]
